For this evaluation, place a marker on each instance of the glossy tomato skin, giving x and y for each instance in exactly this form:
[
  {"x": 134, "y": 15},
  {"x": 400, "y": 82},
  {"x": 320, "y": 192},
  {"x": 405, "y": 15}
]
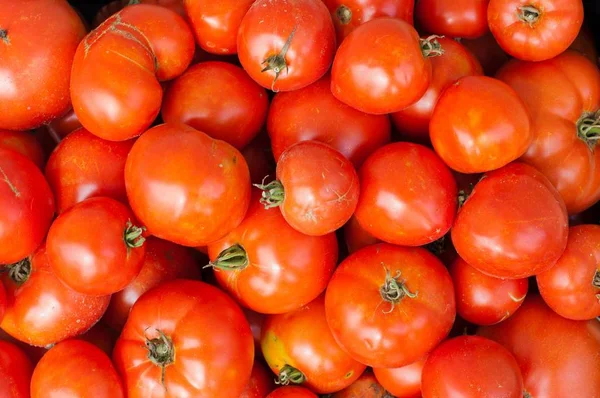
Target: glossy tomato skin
[
  {"x": 377, "y": 331},
  {"x": 366, "y": 386},
  {"x": 380, "y": 67},
  {"x": 471, "y": 366},
  {"x": 454, "y": 63},
  {"x": 27, "y": 206},
  {"x": 219, "y": 99},
  {"x": 403, "y": 382},
  {"x": 356, "y": 237},
  {"x": 572, "y": 287},
  {"x": 313, "y": 113},
  {"x": 305, "y": 24},
  {"x": 535, "y": 30},
  {"x": 47, "y": 31},
  {"x": 464, "y": 18},
  {"x": 15, "y": 371},
  {"x": 292, "y": 392},
  {"x": 210, "y": 340},
  {"x": 408, "y": 196},
  {"x": 24, "y": 143},
  {"x": 96, "y": 375},
  {"x": 558, "y": 357},
  {"x": 261, "y": 382}
]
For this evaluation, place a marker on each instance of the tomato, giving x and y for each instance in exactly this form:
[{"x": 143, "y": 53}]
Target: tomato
[
  {"x": 382, "y": 67},
  {"x": 63, "y": 126},
  {"x": 286, "y": 45},
  {"x": 95, "y": 247},
  {"x": 186, "y": 187},
  {"x": 102, "y": 336},
  {"x": 464, "y": 18},
  {"x": 491, "y": 228},
  {"x": 535, "y": 30},
  {"x": 488, "y": 53},
  {"x": 572, "y": 287},
  {"x": 163, "y": 261},
  {"x": 15, "y": 371},
  {"x": 24, "y": 143},
  {"x": 95, "y": 374},
  {"x": 356, "y": 237},
  {"x": 366, "y": 386},
  {"x": 261, "y": 382},
  {"x": 407, "y": 195},
  {"x": 219, "y": 99},
  {"x": 27, "y": 206},
  {"x": 403, "y": 382},
  {"x": 471, "y": 366},
  {"x": 558, "y": 356},
  {"x": 259, "y": 157},
  {"x": 313, "y": 113},
  {"x": 33, "y": 353},
  {"x": 117, "y": 5},
  {"x": 261, "y": 261},
  {"x": 480, "y": 124},
  {"x": 185, "y": 338},
  {"x": 292, "y": 392},
  {"x": 563, "y": 97},
  {"x": 216, "y": 24},
  {"x": 389, "y": 305},
  {"x": 47, "y": 31}
]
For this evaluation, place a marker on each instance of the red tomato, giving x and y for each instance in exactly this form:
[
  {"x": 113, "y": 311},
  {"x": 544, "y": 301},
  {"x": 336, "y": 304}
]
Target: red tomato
[
  {"x": 488, "y": 53},
  {"x": 292, "y": 392},
  {"x": 63, "y": 126},
  {"x": 95, "y": 248},
  {"x": 38, "y": 39},
  {"x": 471, "y": 366},
  {"x": 219, "y": 99},
  {"x": 483, "y": 299},
  {"x": 366, "y": 386},
  {"x": 463, "y": 18},
  {"x": 535, "y": 30},
  {"x": 286, "y": 45},
  {"x": 102, "y": 336},
  {"x": 389, "y": 305},
  {"x": 261, "y": 382},
  {"x": 15, "y": 371},
  {"x": 185, "y": 338},
  {"x": 480, "y": 124},
  {"x": 300, "y": 349},
  {"x": 95, "y": 374},
  {"x": 259, "y": 157},
  {"x": 563, "y": 97},
  {"x": 84, "y": 166},
  {"x": 382, "y": 67},
  {"x": 186, "y": 187},
  {"x": 513, "y": 225},
  {"x": 407, "y": 195},
  {"x": 313, "y": 113},
  {"x": 356, "y": 237},
  {"x": 403, "y": 382},
  {"x": 558, "y": 357},
  {"x": 572, "y": 287},
  {"x": 117, "y": 5},
  {"x": 455, "y": 62},
  {"x": 24, "y": 143},
  {"x": 27, "y": 206},
  {"x": 33, "y": 353}
]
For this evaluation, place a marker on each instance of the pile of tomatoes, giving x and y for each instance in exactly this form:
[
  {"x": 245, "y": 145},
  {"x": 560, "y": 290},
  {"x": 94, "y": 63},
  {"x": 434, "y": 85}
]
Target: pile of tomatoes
[{"x": 299, "y": 198}]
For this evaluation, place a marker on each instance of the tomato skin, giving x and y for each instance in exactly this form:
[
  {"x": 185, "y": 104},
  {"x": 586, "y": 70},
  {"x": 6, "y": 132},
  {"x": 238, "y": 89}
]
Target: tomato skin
[
  {"x": 96, "y": 375},
  {"x": 487, "y": 51},
  {"x": 24, "y": 143},
  {"x": 403, "y": 382},
  {"x": 292, "y": 392},
  {"x": 567, "y": 287},
  {"x": 356, "y": 237},
  {"x": 537, "y": 337},
  {"x": 211, "y": 340},
  {"x": 366, "y": 386},
  {"x": 313, "y": 113},
  {"x": 371, "y": 54},
  {"x": 219, "y": 99},
  {"x": 61, "y": 127},
  {"x": 261, "y": 382},
  {"x": 416, "y": 210},
  {"x": 464, "y": 18},
  {"x": 15, "y": 371},
  {"x": 471, "y": 366},
  {"x": 368, "y": 327},
  {"x": 117, "y": 5}
]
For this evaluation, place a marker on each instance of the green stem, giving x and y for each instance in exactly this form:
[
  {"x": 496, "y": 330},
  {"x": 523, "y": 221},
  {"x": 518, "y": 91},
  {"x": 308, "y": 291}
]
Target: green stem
[
  {"x": 133, "y": 236},
  {"x": 4, "y": 36},
  {"x": 19, "y": 272},
  {"x": 277, "y": 62},
  {"x": 588, "y": 128},
  {"x": 343, "y": 14},
  {"x": 596, "y": 282},
  {"x": 431, "y": 47},
  {"x": 232, "y": 258},
  {"x": 161, "y": 352},
  {"x": 272, "y": 195},
  {"x": 394, "y": 289},
  {"x": 289, "y": 374},
  {"x": 528, "y": 14}
]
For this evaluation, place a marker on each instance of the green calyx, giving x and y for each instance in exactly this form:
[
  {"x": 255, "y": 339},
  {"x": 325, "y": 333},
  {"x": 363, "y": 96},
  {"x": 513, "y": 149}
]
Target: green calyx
[
  {"x": 230, "y": 259},
  {"x": 431, "y": 47},
  {"x": 289, "y": 374},
  {"x": 272, "y": 194},
  {"x": 133, "y": 235},
  {"x": 19, "y": 272},
  {"x": 588, "y": 128},
  {"x": 277, "y": 62},
  {"x": 161, "y": 352},
  {"x": 394, "y": 289}
]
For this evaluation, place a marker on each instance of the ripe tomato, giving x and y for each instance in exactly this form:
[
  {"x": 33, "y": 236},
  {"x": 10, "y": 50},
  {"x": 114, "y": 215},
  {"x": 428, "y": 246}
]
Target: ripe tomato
[
  {"x": 469, "y": 136},
  {"x": 389, "y": 305},
  {"x": 15, "y": 371},
  {"x": 261, "y": 382},
  {"x": 455, "y": 62},
  {"x": 261, "y": 261},
  {"x": 535, "y": 30},
  {"x": 356, "y": 237},
  {"x": 508, "y": 207},
  {"x": 300, "y": 349},
  {"x": 286, "y": 45},
  {"x": 404, "y": 382},
  {"x": 487, "y": 51},
  {"x": 471, "y": 366},
  {"x": 27, "y": 206},
  {"x": 366, "y": 386},
  {"x": 407, "y": 195},
  {"x": 95, "y": 247},
  {"x": 382, "y": 67},
  {"x": 572, "y": 287},
  {"x": 313, "y": 113},
  {"x": 219, "y": 99},
  {"x": 47, "y": 31},
  {"x": 117, "y": 5},
  {"x": 185, "y": 338},
  {"x": 186, "y": 187},
  {"x": 563, "y": 97},
  {"x": 558, "y": 357},
  {"x": 96, "y": 375},
  {"x": 463, "y": 18},
  {"x": 292, "y": 392},
  {"x": 24, "y": 143}
]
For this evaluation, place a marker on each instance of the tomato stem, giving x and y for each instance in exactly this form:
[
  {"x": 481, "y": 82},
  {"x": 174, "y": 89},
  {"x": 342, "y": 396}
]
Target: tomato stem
[
  {"x": 19, "y": 272},
  {"x": 526, "y": 394},
  {"x": 161, "y": 352},
  {"x": 431, "y": 47},
  {"x": 272, "y": 195},
  {"x": 588, "y": 128},
  {"x": 596, "y": 282},
  {"x": 232, "y": 258},
  {"x": 528, "y": 14},
  {"x": 133, "y": 236},
  {"x": 394, "y": 289},
  {"x": 4, "y": 36},
  {"x": 289, "y": 374},
  {"x": 343, "y": 14},
  {"x": 277, "y": 62}
]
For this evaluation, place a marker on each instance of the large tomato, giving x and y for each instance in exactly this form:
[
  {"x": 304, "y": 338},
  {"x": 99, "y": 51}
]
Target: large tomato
[
  {"x": 15, "y": 371},
  {"x": 563, "y": 97},
  {"x": 186, "y": 187},
  {"x": 462, "y": 19},
  {"x": 261, "y": 382},
  {"x": 24, "y": 143},
  {"x": 366, "y": 386},
  {"x": 182, "y": 339},
  {"x": 404, "y": 382},
  {"x": 389, "y": 305},
  {"x": 292, "y": 392}
]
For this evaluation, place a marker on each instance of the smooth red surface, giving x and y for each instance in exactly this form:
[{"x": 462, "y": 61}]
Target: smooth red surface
[
  {"x": 24, "y": 143},
  {"x": 403, "y": 382},
  {"x": 292, "y": 392},
  {"x": 15, "y": 371},
  {"x": 356, "y": 237},
  {"x": 460, "y": 18},
  {"x": 261, "y": 382},
  {"x": 117, "y": 5}
]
